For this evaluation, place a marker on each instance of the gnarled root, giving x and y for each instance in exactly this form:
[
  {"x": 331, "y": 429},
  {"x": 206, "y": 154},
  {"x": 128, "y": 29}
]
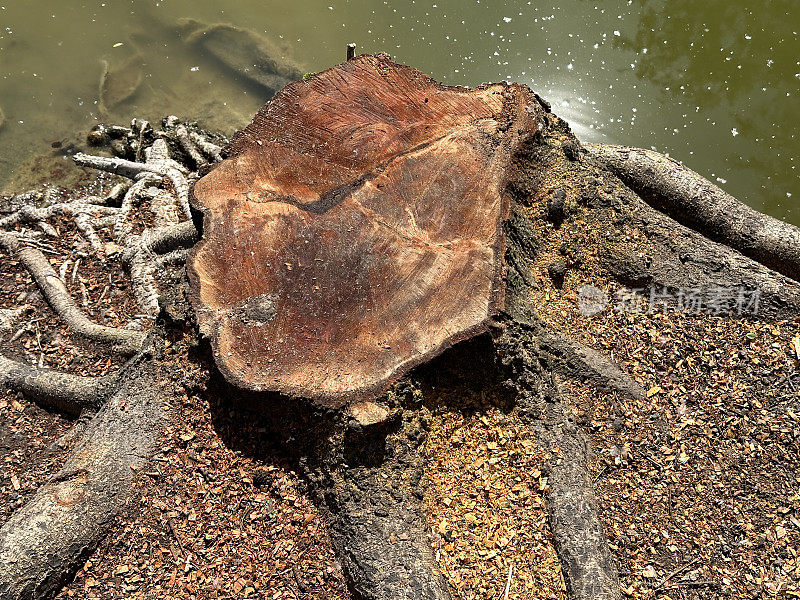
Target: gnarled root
[
  {"x": 46, "y": 541},
  {"x": 694, "y": 201},
  {"x": 578, "y": 537},
  {"x": 70, "y": 394},
  {"x": 126, "y": 341}
]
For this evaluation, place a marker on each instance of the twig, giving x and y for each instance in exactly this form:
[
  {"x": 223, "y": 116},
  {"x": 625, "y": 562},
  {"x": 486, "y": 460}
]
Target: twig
[
  {"x": 600, "y": 474},
  {"x": 675, "y": 572},
  {"x": 75, "y": 270},
  {"x": 669, "y": 501},
  {"x": 699, "y": 583},
  {"x": 508, "y": 581},
  {"x": 652, "y": 460},
  {"x": 62, "y": 271},
  {"x": 175, "y": 535}
]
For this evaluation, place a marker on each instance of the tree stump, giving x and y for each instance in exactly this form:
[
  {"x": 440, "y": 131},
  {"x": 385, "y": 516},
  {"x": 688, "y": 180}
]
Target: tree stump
[
  {"x": 365, "y": 222},
  {"x": 369, "y": 218},
  {"x": 355, "y": 231}
]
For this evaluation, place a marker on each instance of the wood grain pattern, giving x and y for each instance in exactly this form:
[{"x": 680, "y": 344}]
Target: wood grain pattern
[{"x": 355, "y": 229}]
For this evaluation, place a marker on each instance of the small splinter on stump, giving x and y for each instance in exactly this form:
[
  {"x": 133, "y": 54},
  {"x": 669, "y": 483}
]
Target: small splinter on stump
[
  {"x": 368, "y": 413},
  {"x": 351, "y": 51}
]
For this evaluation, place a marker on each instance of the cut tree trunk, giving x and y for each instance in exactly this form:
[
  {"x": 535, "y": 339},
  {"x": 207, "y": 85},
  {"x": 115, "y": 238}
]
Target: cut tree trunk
[{"x": 355, "y": 232}]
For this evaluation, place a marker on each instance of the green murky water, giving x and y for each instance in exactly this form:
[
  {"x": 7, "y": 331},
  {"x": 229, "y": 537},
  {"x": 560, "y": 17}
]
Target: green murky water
[{"x": 715, "y": 83}]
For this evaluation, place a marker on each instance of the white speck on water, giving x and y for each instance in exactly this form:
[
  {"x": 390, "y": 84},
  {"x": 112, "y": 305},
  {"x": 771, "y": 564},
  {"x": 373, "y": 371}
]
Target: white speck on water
[
  {"x": 770, "y": 62},
  {"x": 734, "y": 132},
  {"x": 570, "y": 66},
  {"x": 193, "y": 69},
  {"x": 617, "y": 33},
  {"x": 721, "y": 180},
  {"x": 507, "y": 19}
]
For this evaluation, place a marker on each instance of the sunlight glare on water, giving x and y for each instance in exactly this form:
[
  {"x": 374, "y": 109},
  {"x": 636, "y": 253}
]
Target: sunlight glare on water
[{"x": 714, "y": 84}]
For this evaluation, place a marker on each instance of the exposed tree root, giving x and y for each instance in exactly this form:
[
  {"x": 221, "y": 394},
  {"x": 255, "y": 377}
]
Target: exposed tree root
[
  {"x": 145, "y": 255},
  {"x": 86, "y": 214},
  {"x": 695, "y": 202},
  {"x": 50, "y": 537},
  {"x": 677, "y": 257},
  {"x": 570, "y": 358},
  {"x": 157, "y": 163},
  {"x": 125, "y": 341},
  {"x": 10, "y": 316},
  {"x": 372, "y": 500},
  {"x": 578, "y": 537},
  {"x": 181, "y": 134},
  {"x": 70, "y": 394},
  {"x": 139, "y": 252},
  {"x": 210, "y": 149},
  {"x": 161, "y": 240}
]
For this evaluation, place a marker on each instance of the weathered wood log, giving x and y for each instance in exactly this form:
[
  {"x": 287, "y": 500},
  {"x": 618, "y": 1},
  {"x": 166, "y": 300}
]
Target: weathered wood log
[
  {"x": 355, "y": 232},
  {"x": 247, "y": 54}
]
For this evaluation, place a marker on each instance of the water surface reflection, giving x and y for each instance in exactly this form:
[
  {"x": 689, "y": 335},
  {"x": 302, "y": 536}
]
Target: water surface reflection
[{"x": 714, "y": 84}]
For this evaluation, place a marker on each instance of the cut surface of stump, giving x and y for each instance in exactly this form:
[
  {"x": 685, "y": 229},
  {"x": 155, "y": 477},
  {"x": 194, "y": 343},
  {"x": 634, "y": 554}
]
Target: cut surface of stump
[{"x": 355, "y": 230}]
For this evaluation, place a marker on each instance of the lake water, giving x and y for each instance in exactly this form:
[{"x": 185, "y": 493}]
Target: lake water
[{"x": 715, "y": 84}]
